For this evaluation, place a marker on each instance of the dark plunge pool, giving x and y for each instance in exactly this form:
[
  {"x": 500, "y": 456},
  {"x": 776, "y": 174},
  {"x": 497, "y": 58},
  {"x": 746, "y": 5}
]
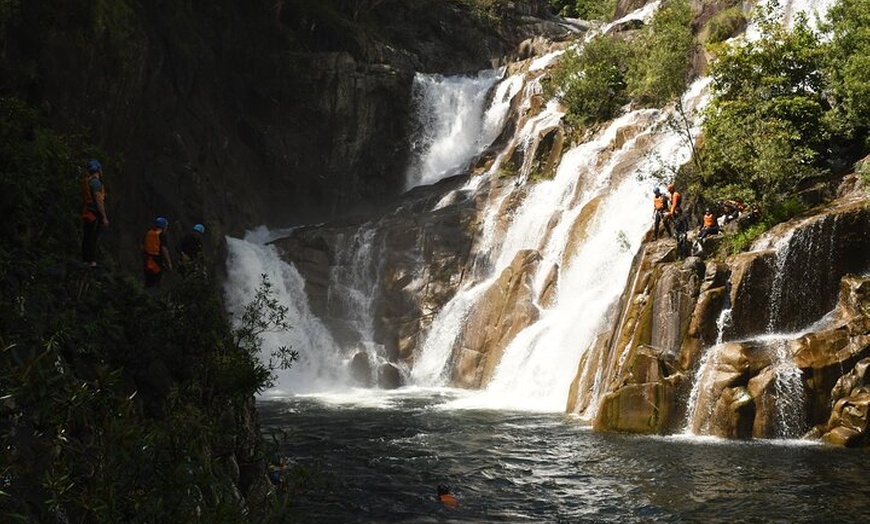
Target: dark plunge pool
[{"x": 370, "y": 456}]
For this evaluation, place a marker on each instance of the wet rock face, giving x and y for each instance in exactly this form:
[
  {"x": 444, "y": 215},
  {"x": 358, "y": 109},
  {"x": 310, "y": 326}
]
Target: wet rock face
[
  {"x": 507, "y": 309},
  {"x": 771, "y": 387},
  {"x": 788, "y": 288}
]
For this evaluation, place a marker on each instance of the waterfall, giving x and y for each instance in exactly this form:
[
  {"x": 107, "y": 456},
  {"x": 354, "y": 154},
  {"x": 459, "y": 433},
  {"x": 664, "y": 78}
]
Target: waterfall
[
  {"x": 354, "y": 284},
  {"x": 586, "y": 223},
  {"x": 788, "y": 390},
  {"x": 604, "y": 176},
  {"x": 454, "y": 123},
  {"x": 319, "y": 367}
]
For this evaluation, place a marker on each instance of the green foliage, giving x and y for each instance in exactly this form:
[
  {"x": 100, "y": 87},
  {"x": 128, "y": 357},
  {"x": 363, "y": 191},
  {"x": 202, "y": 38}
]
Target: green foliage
[
  {"x": 39, "y": 177},
  {"x": 597, "y": 79},
  {"x": 115, "y": 405},
  {"x": 662, "y": 55},
  {"x": 592, "y": 80},
  {"x": 264, "y": 314},
  {"x": 848, "y": 55},
  {"x": 763, "y": 130},
  {"x": 741, "y": 240},
  {"x": 585, "y": 9},
  {"x": 723, "y": 26}
]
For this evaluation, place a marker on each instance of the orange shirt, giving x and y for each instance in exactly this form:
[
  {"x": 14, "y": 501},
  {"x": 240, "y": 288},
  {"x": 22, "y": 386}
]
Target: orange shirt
[{"x": 675, "y": 203}]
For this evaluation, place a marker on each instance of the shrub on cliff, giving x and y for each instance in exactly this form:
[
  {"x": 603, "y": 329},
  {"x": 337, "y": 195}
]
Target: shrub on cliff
[
  {"x": 585, "y": 9},
  {"x": 662, "y": 55},
  {"x": 594, "y": 80},
  {"x": 591, "y": 80}
]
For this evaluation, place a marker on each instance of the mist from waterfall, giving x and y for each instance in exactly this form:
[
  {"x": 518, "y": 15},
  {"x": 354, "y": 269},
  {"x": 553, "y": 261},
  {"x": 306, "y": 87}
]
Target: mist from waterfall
[{"x": 320, "y": 359}]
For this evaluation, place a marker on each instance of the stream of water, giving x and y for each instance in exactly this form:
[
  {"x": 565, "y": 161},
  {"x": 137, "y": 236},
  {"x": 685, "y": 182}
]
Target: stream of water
[
  {"x": 509, "y": 452},
  {"x": 375, "y": 456}
]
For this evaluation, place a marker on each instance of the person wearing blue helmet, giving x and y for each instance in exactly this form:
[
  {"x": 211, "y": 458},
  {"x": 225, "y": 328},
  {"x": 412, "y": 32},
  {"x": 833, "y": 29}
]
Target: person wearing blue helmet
[
  {"x": 190, "y": 250},
  {"x": 156, "y": 252},
  {"x": 94, "y": 217}
]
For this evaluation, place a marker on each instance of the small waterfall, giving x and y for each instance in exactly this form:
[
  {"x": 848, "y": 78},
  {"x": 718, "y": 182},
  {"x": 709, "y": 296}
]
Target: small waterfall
[
  {"x": 354, "y": 288},
  {"x": 698, "y": 411},
  {"x": 319, "y": 367},
  {"x": 454, "y": 124},
  {"x": 788, "y": 393}
]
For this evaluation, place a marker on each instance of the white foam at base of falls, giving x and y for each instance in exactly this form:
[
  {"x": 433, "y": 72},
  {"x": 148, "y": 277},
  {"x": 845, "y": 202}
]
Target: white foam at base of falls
[{"x": 247, "y": 260}]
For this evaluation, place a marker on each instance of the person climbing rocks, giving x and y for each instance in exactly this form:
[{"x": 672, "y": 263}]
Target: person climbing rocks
[
  {"x": 710, "y": 225},
  {"x": 675, "y": 213},
  {"x": 190, "y": 250},
  {"x": 660, "y": 207},
  {"x": 446, "y": 498},
  {"x": 94, "y": 217},
  {"x": 156, "y": 253},
  {"x": 732, "y": 209}
]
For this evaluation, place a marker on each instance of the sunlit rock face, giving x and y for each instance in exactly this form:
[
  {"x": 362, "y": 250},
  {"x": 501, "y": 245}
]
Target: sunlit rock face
[
  {"x": 667, "y": 373},
  {"x": 506, "y": 309}
]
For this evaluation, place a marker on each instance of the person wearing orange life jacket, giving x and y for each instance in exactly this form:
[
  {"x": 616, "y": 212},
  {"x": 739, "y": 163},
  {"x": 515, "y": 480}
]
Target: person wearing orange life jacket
[
  {"x": 94, "y": 215},
  {"x": 710, "y": 225},
  {"x": 156, "y": 253},
  {"x": 446, "y": 498},
  {"x": 660, "y": 207},
  {"x": 675, "y": 213}
]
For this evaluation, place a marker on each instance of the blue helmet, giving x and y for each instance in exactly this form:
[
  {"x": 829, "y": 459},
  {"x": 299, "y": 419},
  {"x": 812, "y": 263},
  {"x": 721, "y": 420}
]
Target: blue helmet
[
  {"x": 161, "y": 222},
  {"x": 199, "y": 228},
  {"x": 93, "y": 166}
]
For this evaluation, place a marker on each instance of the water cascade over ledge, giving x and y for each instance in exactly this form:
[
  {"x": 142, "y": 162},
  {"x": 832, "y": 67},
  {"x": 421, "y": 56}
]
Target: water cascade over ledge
[{"x": 529, "y": 283}]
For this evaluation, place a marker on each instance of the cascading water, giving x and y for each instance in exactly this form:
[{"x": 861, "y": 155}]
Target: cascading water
[
  {"x": 538, "y": 365},
  {"x": 319, "y": 366},
  {"x": 453, "y": 122},
  {"x": 602, "y": 181},
  {"x": 788, "y": 394}
]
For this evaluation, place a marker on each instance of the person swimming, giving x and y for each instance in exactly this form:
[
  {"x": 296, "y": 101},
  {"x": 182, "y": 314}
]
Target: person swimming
[{"x": 445, "y": 497}]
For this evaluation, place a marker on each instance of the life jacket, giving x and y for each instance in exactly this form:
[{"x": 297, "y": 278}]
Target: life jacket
[
  {"x": 151, "y": 247},
  {"x": 676, "y": 197},
  {"x": 660, "y": 202},
  {"x": 709, "y": 220},
  {"x": 448, "y": 500},
  {"x": 90, "y": 211}
]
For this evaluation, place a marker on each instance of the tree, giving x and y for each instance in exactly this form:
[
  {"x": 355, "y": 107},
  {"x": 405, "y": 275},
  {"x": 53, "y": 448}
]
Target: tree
[
  {"x": 848, "y": 54},
  {"x": 592, "y": 80},
  {"x": 763, "y": 130}
]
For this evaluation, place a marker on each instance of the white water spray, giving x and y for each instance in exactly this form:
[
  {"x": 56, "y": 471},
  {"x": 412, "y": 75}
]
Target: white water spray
[
  {"x": 454, "y": 125},
  {"x": 318, "y": 367}
]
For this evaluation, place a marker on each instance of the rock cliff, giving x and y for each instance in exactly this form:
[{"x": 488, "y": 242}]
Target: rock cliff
[{"x": 239, "y": 113}]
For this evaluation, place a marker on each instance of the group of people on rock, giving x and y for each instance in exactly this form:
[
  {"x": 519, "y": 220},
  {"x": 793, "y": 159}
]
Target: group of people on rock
[
  {"x": 157, "y": 258},
  {"x": 667, "y": 208}
]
